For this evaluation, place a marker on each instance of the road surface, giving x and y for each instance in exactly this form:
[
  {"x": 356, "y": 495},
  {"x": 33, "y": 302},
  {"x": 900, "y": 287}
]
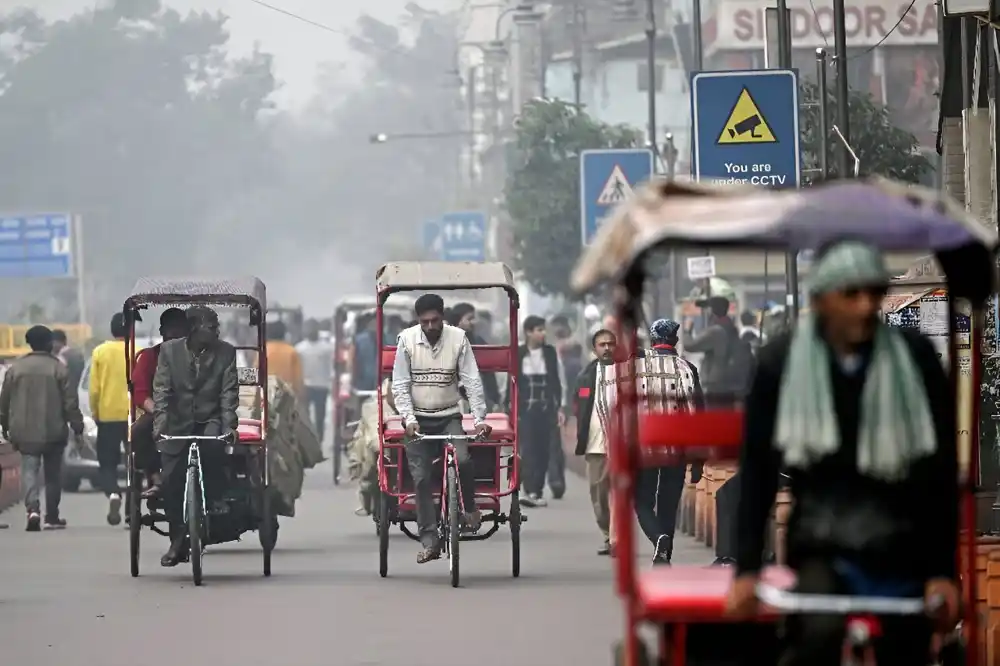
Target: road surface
[{"x": 67, "y": 597}]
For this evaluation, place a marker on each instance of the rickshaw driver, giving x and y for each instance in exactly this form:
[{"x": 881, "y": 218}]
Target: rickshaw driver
[
  {"x": 431, "y": 359},
  {"x": 862, "y": 417},
  {"x": 195, "y": 392}
]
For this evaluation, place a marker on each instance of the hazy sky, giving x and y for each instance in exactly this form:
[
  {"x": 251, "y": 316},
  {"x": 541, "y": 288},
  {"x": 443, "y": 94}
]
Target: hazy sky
[{"x": 297, "y": 46}]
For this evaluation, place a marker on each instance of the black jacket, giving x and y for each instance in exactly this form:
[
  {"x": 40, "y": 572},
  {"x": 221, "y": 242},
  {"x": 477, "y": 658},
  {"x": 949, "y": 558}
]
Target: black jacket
[
  {"x": 583, "y": 404},
  {"x": 553, "y": 384},
  {"x": 491, "y": 389},
  {"x": 906, "y": 529}
]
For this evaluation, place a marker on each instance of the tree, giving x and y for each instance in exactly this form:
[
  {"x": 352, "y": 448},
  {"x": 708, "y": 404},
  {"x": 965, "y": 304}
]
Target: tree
[
  {"x": 882, "y": 148},
  {"x": 543, "y": 188}
]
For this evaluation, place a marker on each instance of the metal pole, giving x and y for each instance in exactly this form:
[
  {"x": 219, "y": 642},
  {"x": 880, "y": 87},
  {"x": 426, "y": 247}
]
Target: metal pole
[
  {"x": 843, "y": 117},
  {"x": 696, "y": 27},
  {"x": 791, "y": 259},
  {"x": 577, "y": 59},
  {"x": 651, "y": 74},
  {"x": 823, "y": 150},
  {"x": 81, "y": 285},
  {"x": 473, "y": 100}
]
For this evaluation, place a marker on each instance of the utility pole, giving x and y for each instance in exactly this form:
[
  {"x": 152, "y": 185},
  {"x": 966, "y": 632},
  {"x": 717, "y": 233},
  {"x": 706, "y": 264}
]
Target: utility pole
[
  {"x": 696, "y": 41},
  {"x": 791, "y": 259},
  {"x": 577, "y": 26},
  {"x": 840, "y": 55},
  {"x": 651, "y": 78}
]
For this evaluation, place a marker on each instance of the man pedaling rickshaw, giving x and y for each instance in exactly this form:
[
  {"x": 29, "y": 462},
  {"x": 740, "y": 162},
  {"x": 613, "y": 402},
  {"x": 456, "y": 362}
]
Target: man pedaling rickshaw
[
  {"x": 195, "y": 392},
  {"x": 431, "y": 359},
  {"x": 862, "y": 418}
]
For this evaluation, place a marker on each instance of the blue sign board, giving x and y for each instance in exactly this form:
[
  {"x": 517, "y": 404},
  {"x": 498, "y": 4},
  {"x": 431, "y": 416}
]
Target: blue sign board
[
  {"x": 463, "y": 236},
  {"x": 606, "y": 179},
  {"x": 745, "y": 127},
  {"x": 36, "y": 246},
  {"x": 432, "y": 238}
]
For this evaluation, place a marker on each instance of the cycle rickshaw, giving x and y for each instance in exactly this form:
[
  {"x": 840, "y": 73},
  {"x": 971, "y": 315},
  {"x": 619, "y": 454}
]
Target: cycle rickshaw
[
  {"x": 245, "y": 503},
  {"x": 346, "y": 399},
  {"x": 495, "y": 459},
  {"x": 687, "y": 604}
]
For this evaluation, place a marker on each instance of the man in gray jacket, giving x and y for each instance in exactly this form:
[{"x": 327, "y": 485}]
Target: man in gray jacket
[
  {"x": 195, "y": 392},
  {"x": 37, "y": 401}
]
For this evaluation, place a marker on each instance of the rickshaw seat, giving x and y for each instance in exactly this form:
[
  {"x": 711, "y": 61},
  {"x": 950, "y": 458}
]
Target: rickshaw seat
[
  {"x": 711, "y": 429},
  {"x": 503, "y": 429},
  {"x": 693, "y": 593},
  {"x": 249, "y": 430}
]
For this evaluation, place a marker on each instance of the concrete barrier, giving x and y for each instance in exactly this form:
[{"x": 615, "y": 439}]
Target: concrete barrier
[{"x": 10, "y": 476}]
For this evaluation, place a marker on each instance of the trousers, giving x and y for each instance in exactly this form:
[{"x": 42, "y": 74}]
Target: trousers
[
  {"x": 557, "y": 464},
  {"x": 316, "y": 397},
  {"x": 110, "y": 435},
  {"x": 420, "y": 457},
  {"x": 537, "y": 430},
  {"x": 727, "y": 499},
  {"x": 600, "y": 493},
  {"x": 817, "y": 640},
  {"x": 43, "y": 469},
  {"x": 657, "y": 496},
  {"x": 173, "y": 476}
]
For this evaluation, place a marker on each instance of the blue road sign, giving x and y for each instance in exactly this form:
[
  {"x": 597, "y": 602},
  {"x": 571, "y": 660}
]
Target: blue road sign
[
  {"x": 36, "y": 246},
  {"x": 607, "y": 178},
  {"x": 745, "y": 127},
  {"x": 463, "y": 236},
  {"x": 432, "y": 238}
]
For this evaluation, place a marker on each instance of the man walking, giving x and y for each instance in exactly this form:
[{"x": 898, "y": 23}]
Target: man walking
[
  {"x": 595, "y": 394},
  {"x": 71, "y": 356},
  {"x": 667, "y": 383},
  {"x": 109, "y": 406},
  {"x": 317, "y": 374},
  {"x": 37, "y": 402},
  {"x": 539, "y": 411},
  {"x": 283, "y": 361}
]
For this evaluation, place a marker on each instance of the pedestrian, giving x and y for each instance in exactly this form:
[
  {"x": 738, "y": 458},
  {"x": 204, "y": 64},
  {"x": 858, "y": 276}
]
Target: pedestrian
[
  {"x": 109, "y": 406},
  {"x": 540, "y": 412},
  {"x": 463, "y": 315},
  {"x": 862, "y": 418},
  {"x": 38, "y": 407},
  {"x": 749, "y": 331},
  {"x": 317, "y": 374},
  {"x": 365, "y": 361},
  {"x": 726, "y": 371},
  {"x": 71, "y": 356},
  {"x": 667, "y": 383},
  {"x": 283, "y": 361}
]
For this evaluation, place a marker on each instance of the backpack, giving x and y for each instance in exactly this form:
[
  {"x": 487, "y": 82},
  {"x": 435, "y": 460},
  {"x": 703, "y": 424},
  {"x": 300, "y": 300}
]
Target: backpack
[{"x": 740, "y": 363}]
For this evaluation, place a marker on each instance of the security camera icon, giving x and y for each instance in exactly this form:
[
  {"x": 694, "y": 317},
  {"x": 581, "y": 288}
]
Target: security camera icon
[{"x": 747, "y": 125}]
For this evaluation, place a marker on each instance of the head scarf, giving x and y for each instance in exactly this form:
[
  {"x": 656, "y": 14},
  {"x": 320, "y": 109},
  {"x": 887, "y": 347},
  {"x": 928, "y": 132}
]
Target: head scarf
[
  {"x": 663, "y": 331},
  {"x": 896, "y": 427}
]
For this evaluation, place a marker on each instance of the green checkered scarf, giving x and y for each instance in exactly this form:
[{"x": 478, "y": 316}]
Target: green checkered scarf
[{"x": 895, "y": 427}]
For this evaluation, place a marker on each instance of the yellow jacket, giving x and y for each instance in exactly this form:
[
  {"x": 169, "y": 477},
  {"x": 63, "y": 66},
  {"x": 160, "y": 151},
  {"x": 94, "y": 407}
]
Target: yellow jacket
[
  {"x": 108, "y": 386},
  {"x": 284, "y": 362}
]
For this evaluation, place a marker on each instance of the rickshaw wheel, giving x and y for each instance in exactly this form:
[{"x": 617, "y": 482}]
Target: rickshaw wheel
[
  {"x": 194, "y": 522},
  {"x": 134, "y": 524},
  {"x": 383, "y": 534},
  {"x": 514, "y": 519},
  {"x": 268, "y": 530},
  {"x": 454, "y": 526}
]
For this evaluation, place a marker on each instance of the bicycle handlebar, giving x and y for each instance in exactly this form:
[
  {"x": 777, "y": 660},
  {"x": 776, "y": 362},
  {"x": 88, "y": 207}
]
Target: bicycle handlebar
[
  {"x": 449, "y": 438},
  {"x": 793, "y": 602},
  {"x": 195, "y": 438}
]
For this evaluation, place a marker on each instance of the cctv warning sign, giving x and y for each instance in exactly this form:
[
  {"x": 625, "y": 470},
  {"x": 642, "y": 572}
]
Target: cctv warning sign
[{"x": 746, "y": 124}]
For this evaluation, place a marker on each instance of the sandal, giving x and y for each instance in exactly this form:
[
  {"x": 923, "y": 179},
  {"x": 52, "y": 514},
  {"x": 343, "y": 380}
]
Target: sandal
[{"x": 429, "y": 554}]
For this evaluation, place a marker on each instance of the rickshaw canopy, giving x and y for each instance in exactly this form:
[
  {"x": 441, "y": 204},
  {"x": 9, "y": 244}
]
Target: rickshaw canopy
[
  {"x": 246, "y": 291},
  {"x": 444, "y": 275},
  {"x": 890, "y": 215}
]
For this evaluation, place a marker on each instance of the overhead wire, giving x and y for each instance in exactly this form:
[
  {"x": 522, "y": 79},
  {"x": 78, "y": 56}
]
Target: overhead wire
[{"x": 880, "y": 42}]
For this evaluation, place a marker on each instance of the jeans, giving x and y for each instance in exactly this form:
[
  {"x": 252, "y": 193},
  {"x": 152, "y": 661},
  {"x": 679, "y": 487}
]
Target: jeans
[
  {"x": 537, "y": 428},
  {"x": 32, "y": 468},
  {"x": 420, "y": 456},
  {"x": 110, "y": 435},
  {"x": 557, "y": 464},
  {"x": 316, "y": 397}
]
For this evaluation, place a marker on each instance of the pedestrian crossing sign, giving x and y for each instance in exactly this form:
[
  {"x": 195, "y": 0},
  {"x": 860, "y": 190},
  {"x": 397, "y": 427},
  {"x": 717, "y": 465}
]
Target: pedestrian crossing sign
[
  {"x": 616, "y": 189},
  {"x": 746, "y": 124}
]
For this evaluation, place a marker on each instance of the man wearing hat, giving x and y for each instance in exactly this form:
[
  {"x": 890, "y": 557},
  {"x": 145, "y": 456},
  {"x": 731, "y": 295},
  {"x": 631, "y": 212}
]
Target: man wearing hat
[
  {"x": 862, "y": 419},
  {"x": 667, "y": 383}
]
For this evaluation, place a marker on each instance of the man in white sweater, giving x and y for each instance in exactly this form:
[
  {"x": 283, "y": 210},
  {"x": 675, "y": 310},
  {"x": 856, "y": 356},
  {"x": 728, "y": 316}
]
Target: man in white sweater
[{"x": 432, "y": 358}]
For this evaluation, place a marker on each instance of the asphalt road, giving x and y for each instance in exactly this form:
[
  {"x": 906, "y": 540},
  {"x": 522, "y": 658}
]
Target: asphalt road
[{"x": 67, "y": 597}]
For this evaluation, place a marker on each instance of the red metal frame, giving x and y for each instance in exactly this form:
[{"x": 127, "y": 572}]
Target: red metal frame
[
  {"x": 674, "y": 597},
  {"x": 490, "y": 358}
]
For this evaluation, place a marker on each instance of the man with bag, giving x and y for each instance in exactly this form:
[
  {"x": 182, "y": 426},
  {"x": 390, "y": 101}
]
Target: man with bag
[{"x": 37, "y": 402}]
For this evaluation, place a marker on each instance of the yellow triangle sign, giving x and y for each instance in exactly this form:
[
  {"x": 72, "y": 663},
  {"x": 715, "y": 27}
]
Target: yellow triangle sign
[{"x": 746, "y": 124}]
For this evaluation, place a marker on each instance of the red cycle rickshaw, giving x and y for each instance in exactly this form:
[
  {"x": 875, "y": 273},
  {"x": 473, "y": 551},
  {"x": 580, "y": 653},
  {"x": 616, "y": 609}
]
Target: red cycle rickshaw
[
  {"x": 495, "y": 459},
  {"x": 687, "y": 604}
]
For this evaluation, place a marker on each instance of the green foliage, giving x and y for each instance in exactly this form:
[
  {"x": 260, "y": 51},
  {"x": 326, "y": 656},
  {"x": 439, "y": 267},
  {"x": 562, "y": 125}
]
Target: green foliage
[
  {"x": 543, "y": 188},
  {"x": 883, "y": 148}
]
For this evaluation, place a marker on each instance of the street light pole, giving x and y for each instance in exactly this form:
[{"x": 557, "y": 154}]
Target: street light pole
[
  {"x": 840, "y": 54},
  {"x": 651, "y": 73}
]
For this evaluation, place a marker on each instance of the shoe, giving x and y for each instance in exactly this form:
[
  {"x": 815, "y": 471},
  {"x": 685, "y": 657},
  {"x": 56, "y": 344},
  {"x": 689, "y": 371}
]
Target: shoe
[
  {"x": 558, "y": 493},
  {"x": 34, "y": 523},
  {"x": 724, "y": 562},
  {"x": 55, "y": 523},
  {"x": 528, "y": 500},
  {"x": 473, "y": 521},
  {"x": 362, "y": 511},
  {"x": 605, "y": 549},
  {"x": 429, "y": 554},
  {"x": 114, "y": 509},
  {"x": 663, "y": 550},
  {"x": 177, "y": 553}
]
